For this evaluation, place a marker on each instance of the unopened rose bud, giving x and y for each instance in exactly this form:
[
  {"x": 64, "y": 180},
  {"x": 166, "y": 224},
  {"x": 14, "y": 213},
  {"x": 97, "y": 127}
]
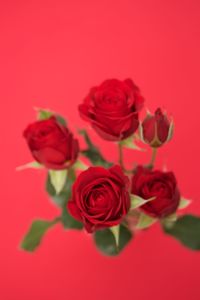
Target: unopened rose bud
[{"x": 156, "y": 129}]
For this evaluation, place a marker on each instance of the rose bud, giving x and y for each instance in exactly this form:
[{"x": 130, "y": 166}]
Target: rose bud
[
  {"x": 156, "y": 129},
  {"x": 112, "y": 109},
  {"x": 100, "y": 197},
  {"x": 162, "y": 186},
  {"x": 51, "y": 144}
]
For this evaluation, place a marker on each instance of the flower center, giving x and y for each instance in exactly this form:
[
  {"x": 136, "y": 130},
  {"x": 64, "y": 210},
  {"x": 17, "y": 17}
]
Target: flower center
[{"x": 98, "y": 199}]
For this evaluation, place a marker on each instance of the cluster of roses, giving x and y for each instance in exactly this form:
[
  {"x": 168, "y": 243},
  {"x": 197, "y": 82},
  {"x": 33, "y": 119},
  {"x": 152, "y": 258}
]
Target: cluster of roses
[{"x": 107, "y": 199}]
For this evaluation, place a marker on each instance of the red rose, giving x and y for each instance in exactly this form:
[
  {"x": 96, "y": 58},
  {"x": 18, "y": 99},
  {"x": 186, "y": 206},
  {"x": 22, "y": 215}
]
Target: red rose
[
  {"x": 100, "y": 197},
  {"x": 51, "y": 144},
  {"x": 156, "y": 129},
  {"x": 162, "y": 185},
  {"x": 112, "y": 109}
]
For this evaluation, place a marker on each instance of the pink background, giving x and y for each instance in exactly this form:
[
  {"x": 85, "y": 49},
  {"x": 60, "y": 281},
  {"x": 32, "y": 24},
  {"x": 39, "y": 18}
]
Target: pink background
[{"x": 51, "y": 53}]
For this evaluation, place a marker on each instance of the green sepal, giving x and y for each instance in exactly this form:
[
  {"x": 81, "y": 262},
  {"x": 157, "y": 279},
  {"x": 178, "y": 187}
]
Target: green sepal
[
  {"x": 145, "y": 221},
  {"x": 169, "y": 220},
  {"x": 35, "y": 234},
  {"x": 115, "y": 231},
  {"x": 184, "y": 203},
  {"x": 80, "y": 165},
  {"x": 68, "y": 221},
  {"x": 106, "y": 242},
  {"x": 130, "y": 143},
  {"x": 137, "y": 201},
  {"x": 141, "y": 133},
  {"x": 45, "y": 114},
  {"x": 187, "y": 230},
  {"x": 58, "y": 179},
  {"x": 171, "y": 131},
  {"x": 93, "y": 153},
  {"x": 61, "y": 120},
  {"x": 62, "y": 198},
  {"x": 30, "y": 165}
]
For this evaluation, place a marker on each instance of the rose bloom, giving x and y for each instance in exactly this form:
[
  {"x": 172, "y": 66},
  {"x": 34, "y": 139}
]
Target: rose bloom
[
  {"x": 162, "y": 186},
  {"x": 112, "y": 109},
  {"x": 100, "y": 198},
  {"x": 156, "y": 129},
  {"x": 51, "y": 144}
]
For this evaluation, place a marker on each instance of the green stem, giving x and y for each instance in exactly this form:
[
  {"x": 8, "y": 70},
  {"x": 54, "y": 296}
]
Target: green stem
[
  {"x": 153, "y": 157},
  {"x": 121, "y": 162},
  {"x": 56, "y": 220}
]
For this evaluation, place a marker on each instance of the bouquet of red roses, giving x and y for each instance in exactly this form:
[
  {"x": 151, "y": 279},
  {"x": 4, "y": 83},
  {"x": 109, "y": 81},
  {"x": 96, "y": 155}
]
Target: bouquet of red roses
[{"x": 110, "y": 202}]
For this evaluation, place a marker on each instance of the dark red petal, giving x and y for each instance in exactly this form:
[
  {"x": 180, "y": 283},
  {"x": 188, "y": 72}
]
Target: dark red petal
[
  {"x": 73, "y": 210},
  {"x": 149, "y": 129}
]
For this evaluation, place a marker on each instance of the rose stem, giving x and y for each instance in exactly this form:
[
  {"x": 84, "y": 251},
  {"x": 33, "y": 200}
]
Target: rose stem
[
  {"x": 56, "y": 220},
  {"x": 121, "y": 155},
  {"x": 153, "y": 157}
]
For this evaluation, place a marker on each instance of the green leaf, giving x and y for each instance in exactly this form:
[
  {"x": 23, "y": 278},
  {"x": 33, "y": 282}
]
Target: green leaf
[
  {"x": 130, "y": 143},
  {"x": 115, "y": 232},
  {"x": 58, "y": 179},
  {"x": 62, "y": 198},
  {"x": 69, "y": 222},
  {"x": 93, "y": 153},
  {"x": 184, "y": 203},
  {"x": 187, "y": 230},
  {"x": 106, "y": 243},
  {"x": 145, "y": 221},
  {"x": 137, "y": 201},
  {"x": 30, "y": 165},
  {"x": 35, "y": 234}
]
